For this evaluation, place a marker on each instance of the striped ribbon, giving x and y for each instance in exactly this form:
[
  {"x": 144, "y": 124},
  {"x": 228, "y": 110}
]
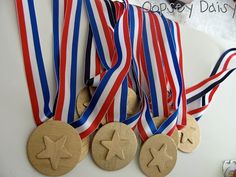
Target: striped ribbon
[
  {"x": 113, "y": 77},
  {"x": 103, "y": 19},
  {"x": 161, "y": 62},
  {"x": 200, "y": 95},
  {"x": 176, "y": 35},
  {"x": 71, "y": 47},
  {"x": 42, "y": 94}
]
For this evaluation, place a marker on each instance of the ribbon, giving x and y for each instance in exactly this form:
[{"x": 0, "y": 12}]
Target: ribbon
[
  {"x": 162, "y": 65},
  {"x": 200, "y": 95},
  {"x": 42, "y": 95},
  {"x": 71, "y": 47},
  {"x": 112, "y": 79}
]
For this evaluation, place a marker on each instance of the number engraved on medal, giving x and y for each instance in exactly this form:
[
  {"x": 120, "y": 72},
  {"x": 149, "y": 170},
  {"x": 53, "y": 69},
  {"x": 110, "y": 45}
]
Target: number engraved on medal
[
  {"x": 54, "y": 151},
  {"x": 160, "y": 158},
  {"x": 115, "y": 146}
]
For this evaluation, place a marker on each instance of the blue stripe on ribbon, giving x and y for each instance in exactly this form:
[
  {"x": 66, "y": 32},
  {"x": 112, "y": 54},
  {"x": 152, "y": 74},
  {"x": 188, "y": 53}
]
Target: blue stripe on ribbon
[
  {"x": 149, "y": 119},
  {"x": 150, "y": 72},
  {"x": 174, "y": 57},
  {"x": 39, "y": 58},
  {"x": 171, "y": 25},
  {"x": 56, "y": 43},
  {"x": 88, "y": 58},
  {"x": 96, "y": 34},
  {"x": 209, "y": 88},
  {"x": 123, "y": 101},
  {"x": 214, "y": 71},
  {"x": 132, "y": 119},
  {"x": 56, "y": 46},
  {"x": 74, "y": 58},
  {"x": 167, "y": 122}
]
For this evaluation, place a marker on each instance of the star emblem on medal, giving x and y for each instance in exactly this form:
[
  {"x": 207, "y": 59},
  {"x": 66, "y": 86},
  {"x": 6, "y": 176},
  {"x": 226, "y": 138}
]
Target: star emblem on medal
[
  {"x": 188, "y": 135},
  {"x": 115, "y": 146},
  {"x": 160, "y": 158},
  {"x": 54, "y": 151}
]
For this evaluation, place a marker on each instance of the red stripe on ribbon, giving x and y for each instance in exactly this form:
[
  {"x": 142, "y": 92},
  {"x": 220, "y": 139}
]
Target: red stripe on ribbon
[
  {"x": 27, "y": 63},
  {"x": 61, "y": 92}
]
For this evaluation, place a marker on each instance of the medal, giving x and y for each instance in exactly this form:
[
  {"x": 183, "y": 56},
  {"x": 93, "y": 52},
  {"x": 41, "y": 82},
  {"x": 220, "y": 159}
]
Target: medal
[
  {"x": 132, "y": 104},
  {"x": 189, "y": 136},
  {"x": 199, "y": 98},
  {"x": 158, "y": 156},
  {"x": 158, "y": 153},
  {"x": 114, "y": 144},
  {"x": 54, "y": 147}
]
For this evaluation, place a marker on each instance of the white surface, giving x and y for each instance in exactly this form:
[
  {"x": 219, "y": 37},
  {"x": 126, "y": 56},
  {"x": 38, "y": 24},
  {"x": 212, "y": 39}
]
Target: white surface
[{"x": 200, "y": 53}]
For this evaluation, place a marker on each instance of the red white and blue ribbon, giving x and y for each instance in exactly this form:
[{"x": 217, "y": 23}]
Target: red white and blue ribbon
[
  {"x": 176, "y": 34},
  {"x": 160, "y": 53},
  {"x": 71, "y": 47},
  {"x": 113, "y": 78},
  {"x": 42, "y": 93},
  {"x": 103, "y": 13},
  {"x": 200, "y": 95}
]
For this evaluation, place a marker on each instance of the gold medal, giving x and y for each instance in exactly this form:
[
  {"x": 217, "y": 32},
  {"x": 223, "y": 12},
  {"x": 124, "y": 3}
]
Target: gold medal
[
  {"x": 158, "y": 156},
  {"x": 175, "y": 136},
  {"x": 189, "y": 137},
  {"x": 54, "y": 148},
  {"x": 132, "y": 105},
  {"x": 83, "y": 100},
  {"x": 114, "y": 146}
]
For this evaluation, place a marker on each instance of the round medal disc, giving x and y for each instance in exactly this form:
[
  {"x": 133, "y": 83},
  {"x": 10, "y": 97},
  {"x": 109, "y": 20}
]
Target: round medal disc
[
  {"x": 175, "y": 136},
  {"x": 54, "y": 148},
  {"x": 189, "y": 136},
  {"x": 114, "y": 146},
  {"x": 158, "y": 156}
]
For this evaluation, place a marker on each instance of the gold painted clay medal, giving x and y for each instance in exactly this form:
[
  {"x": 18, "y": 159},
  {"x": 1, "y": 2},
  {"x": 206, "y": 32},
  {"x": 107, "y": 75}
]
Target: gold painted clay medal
[
  {"x": 54, "y": 148},
  {"x": 83, "y": 100},
  {"x": 189, "y": 137},
  {"x": 158, "y": 156},
  {"x": 114, "y": 146},
  {"x": 133, "y": 104},
  {"x": 175, "y": 136}
]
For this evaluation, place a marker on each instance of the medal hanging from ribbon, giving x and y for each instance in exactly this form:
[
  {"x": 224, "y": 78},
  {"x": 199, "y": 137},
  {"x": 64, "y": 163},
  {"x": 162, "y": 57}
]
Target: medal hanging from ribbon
[
  {"x": 158, "y": 120},
  {"x": 119, "y": 142},
  {"x": 200, "y": 96},
  {"x": 53, "y": 141}
]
